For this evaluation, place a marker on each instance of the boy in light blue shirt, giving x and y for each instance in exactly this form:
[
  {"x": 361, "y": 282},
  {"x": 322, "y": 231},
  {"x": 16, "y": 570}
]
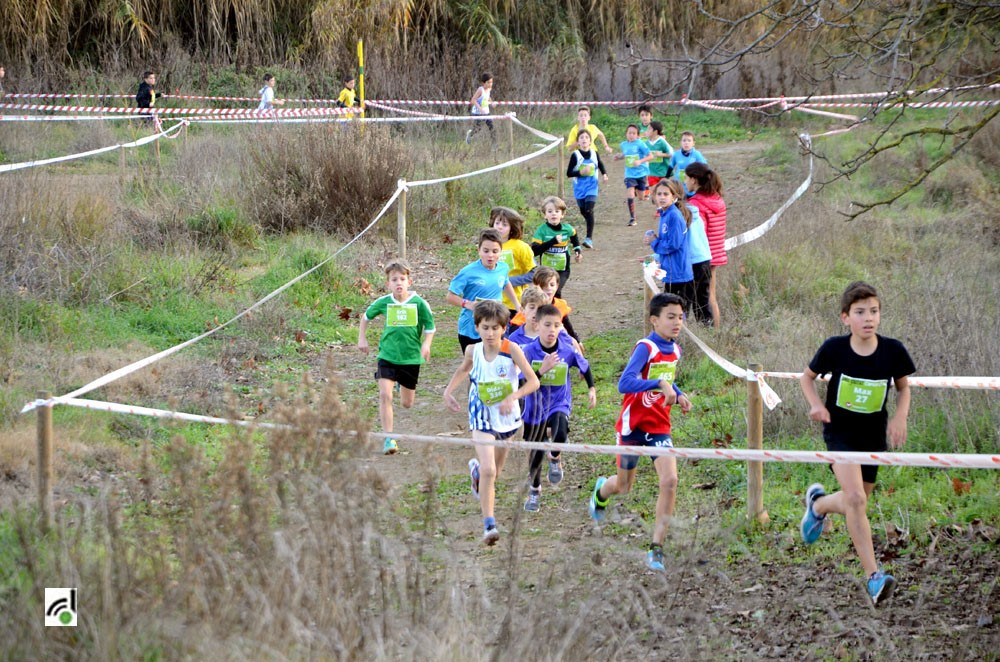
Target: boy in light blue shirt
[
  {"x": 684, "y": 157},
  {"x": 486, "y": 278},
  {"x": 637, "y": 156}
]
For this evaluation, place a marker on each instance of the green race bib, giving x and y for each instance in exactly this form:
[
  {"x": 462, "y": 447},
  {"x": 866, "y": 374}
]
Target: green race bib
[
  {"x": 507, "y": 257},
  {"x": 401, "y": 314},
  {"x": 632, "y": 160},
  {"x": 557, "y": 376},
  {"x": 864, "y": 396},
  {"x": 493, "y": 393},
  {"x": 662, "y": 370},
  {"x": 555, "y": 261}
]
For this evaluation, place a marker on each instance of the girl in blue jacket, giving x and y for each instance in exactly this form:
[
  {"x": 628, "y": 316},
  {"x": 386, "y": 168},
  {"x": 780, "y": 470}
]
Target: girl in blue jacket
[{"x": 669, "y": 241}]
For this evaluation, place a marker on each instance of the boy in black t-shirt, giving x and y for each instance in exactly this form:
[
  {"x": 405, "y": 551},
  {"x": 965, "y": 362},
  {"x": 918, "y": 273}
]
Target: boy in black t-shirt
[{"x": 862, "y": 365}]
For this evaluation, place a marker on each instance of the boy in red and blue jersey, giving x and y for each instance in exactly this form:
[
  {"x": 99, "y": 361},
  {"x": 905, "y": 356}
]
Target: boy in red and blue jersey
[{"x": 649, "y": 391}]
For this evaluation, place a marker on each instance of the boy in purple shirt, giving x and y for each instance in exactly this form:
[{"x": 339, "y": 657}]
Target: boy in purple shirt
[{"x": 551, "y": 355}]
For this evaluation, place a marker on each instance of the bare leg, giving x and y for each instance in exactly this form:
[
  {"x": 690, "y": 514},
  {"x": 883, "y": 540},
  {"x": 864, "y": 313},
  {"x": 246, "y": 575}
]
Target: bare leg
[
  {"x": 491, "y": 461},
  {"x": 620, "y": 483},
  {"x": 666, "y": 469},
  {"x": 852, "y": 502},
  {"x": 385, "y": 387},
  {"x": 407, "y": 396}
]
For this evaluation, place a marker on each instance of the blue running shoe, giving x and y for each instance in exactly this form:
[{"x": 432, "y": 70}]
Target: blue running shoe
[
  {"x": 390, "y": 447},
  {"x": 880, "y": 587},
  {"x": 596, "y": 506},
  {"x": 589, "y": 243},
  {"x": 474, "y": 476},
  {"x": 555, "y": 471},
  {"x": 654, "y": 558},
  {"x": 812, "y": 524},
  {"x": 534, "y": 501},
  {"x": 490, "y": 536}
]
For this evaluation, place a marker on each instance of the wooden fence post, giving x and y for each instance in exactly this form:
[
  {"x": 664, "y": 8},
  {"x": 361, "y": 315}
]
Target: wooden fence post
[
  {"x": 510, "y": 133},
  {"x": 401, "y": 219},
  {"x": 755, "y": 440},
  {"x": 561, "y": 168},
  {"x": 45, "y": 462}
]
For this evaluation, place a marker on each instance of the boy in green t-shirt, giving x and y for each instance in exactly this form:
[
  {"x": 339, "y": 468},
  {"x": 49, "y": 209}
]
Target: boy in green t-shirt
[
  {"x": 659, "y": 167},
  {"x": 405, "y": 343},
  {"x": 553, "y": 238}
]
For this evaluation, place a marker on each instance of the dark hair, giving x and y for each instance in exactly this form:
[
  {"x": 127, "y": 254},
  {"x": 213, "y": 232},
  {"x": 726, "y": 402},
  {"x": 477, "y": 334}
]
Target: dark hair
[
  {"x": 584, "y": 131},
  {"x": 147, "y": 74},
  {"x": 546, "y": 311},
  {"x": 348, "y": 78},
  {"x": 587, "y": 108},
  {"x": 515, "y": 220},
  {"x": 657, "y": 126},
  {"x": 632, "y": 126},
  {"x": 489, "y": 234},
  {"x": 661, "y": 301},
  {"x": 687, "y": 133},
  {"x": 680, "y": 200},
  {"x": 856, "y": 291},
  {"x": 489, "y": 310},
  {"x": 485, "y": 77},
  {"x": 708, "y": 182},
  {"x": 268, "y": 77},
  {"x": 645, "y": 108}
]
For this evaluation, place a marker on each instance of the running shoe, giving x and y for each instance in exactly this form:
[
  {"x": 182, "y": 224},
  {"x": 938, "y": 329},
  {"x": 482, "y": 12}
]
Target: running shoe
[
  {"x": 597, "y": 507},
  {"x": 390, "y": 447},
  {"x": 555, "y": 471},
  {"x": 588, "y": 243},
  {"x": 654, "y": 558},
  {"x": 474, "y": 476},
  {"x": 631, "y": 222},
  {"x": 812, "y": 524},
  {"x": 490, "y": 536},
  {"x": 533, "y": 502},
  {"x": 880, "y": 587}
]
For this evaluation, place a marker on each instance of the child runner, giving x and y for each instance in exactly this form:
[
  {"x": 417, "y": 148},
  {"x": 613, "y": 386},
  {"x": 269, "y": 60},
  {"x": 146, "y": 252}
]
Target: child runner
[
  {"x": 552, "y": 239},
  {"x": 547, "y": 280},
  {"x": 546, "y": 411},
  {"x": 348, "y": 96},
  {"x": 404, "y": 346},
  {"x": 684, "y": 157},
  {"x": 267, "y": 100},
  {"x": 583, "y": 168},
  {"x": 669, "y": 241},
  {"x": 636, "y": 156},
  {"x": 516, "y": 253},
  {"x": 583, "y": 124},
  {"x": 862, "y": 365},
  {"x": 647, "y": 384},
  {"x": 486, "y": 278},
  {"x": 492, "y": 367},
  {"x": 705, "y": 189},
  {"x": 645, "y": 118},
  {"x": 481, "y": 106},
  {"x": 700, "y": 258},
  {"x": 661, "y": 150},
  {"x": 146, "y": 95}
]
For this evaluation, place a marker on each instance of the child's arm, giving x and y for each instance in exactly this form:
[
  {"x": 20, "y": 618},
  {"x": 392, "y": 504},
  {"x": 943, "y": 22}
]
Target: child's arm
[
  {"x": 530, "y": 380},
  {"x": 631, "y": 381},
  {"x": 461, "y": 374},
  {"x": 456, "y": 300},
  {"x": 897, "y": 424},
  {"x": 604, "y": 139},
  {"x": 538, "y": 246},
  {"x": 476, "y": 96},
  {"x": 669, "y": 238},
  {"x": 600, "y": 165},
  {"x": 588, "y": 375},
  {"x": 508, "y": 289},
  {"x": 568, "y": 326},
  {"x": 817, "y": 411},
  {"x": 574, "y": 239},
  {"x": 425, "y": 348},
  {"x": 571, "y": 166},
  {"x": 362, "y": 337}
]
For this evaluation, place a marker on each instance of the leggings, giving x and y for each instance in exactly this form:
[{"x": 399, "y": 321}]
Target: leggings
[
  {"x": 559, "y": 424},
  {"x": 587, "y": 211},
  {"x": 702, "y": 278}
]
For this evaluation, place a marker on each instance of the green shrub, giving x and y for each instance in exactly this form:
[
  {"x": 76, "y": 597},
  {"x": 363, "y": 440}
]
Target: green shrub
[{"x": 222, "y": 227}]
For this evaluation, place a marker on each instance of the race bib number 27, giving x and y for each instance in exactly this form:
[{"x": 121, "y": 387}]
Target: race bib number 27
[{"x": 864, "y": 396}]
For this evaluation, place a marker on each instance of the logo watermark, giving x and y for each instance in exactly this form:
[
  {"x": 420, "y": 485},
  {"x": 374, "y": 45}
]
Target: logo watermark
[{"x": 60, "y": 607}]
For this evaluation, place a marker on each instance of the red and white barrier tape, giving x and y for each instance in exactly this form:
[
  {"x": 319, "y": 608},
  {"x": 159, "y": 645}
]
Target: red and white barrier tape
[
  {"x": 935, "y": 460},
  {"x": 171, "y": 112}
]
